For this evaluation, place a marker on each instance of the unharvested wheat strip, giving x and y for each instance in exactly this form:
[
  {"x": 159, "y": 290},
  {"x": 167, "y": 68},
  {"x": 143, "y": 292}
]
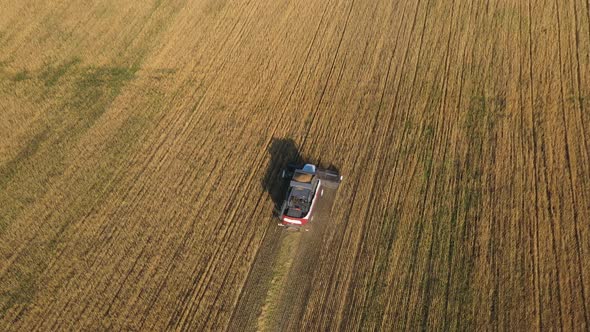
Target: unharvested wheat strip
[
  {"x": 481, "y": 122},
  {"x": 375, "y": 132},
  {"x": 569, "y": 216},
  {"x": 383, "y": 161},
  {"x": 439, "y": 215},
  {"x": 504, "y": 180},
  {"x": 529, "y": 155},
  {"x": 374, "y": 174},
  {"x": 425, "y": 157},
  {"x": 419, "y": 78},
  {"x": 579, "y": 44},
  {"x": 548, "y": 94}
]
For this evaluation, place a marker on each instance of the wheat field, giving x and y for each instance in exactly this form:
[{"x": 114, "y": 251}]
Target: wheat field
[{"x": 141, "y": 142}]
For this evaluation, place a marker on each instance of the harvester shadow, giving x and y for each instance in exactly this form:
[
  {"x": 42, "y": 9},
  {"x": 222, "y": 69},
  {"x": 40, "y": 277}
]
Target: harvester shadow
[{"x": 283, "y": 151}]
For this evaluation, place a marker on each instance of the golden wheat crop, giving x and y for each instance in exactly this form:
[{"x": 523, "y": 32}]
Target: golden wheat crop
[{"x": 140, "y": 142}]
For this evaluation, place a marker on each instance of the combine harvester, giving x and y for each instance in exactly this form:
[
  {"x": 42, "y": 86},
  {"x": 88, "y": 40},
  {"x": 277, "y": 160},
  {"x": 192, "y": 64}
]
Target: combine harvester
[{"x": 306, "y": 187}]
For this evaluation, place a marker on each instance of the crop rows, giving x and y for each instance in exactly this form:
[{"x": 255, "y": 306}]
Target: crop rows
[{"x": 140, "y": 143}]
